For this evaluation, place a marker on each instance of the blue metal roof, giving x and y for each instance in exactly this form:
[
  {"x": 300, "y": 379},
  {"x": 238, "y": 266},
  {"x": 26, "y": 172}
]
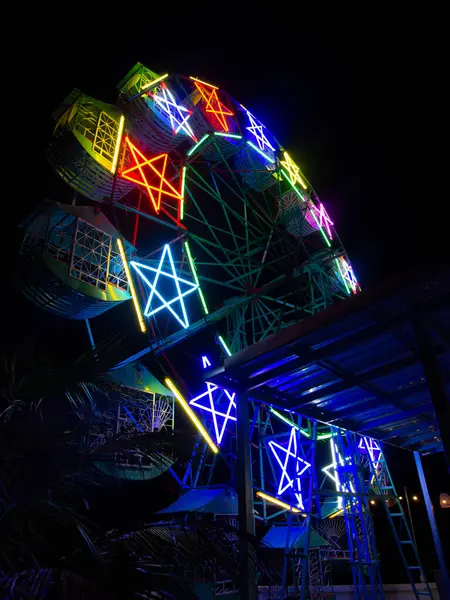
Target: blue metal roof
[{"x": 357, "y": 364}]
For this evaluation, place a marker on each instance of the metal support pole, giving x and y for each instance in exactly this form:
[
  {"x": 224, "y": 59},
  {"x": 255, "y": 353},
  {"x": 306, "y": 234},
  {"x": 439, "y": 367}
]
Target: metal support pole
[
  {"x": 436, "y": 385},
  {"x": 434, "y": 530},
  {"x": 247, "y": 558}
]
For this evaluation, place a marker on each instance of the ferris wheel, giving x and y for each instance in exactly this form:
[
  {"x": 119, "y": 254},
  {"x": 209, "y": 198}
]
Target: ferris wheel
[{"x": 218, "y": 224}]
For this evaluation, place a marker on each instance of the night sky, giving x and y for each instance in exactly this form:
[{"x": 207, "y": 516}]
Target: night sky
[{"x": 348, "y": 105}]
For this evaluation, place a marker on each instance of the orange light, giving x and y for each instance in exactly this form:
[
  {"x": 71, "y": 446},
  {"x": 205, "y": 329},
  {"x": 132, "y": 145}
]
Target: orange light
[
  {"x": 137, "y": 175},
  {"x": 213, "y": 104},
  {"x": 444, "y": 501},
  {"x": 277, "y": 502},
  {"x": 415, "y": 498},
  {"x": 373, "y": 502},
  {"x": 400, "y": 497}
]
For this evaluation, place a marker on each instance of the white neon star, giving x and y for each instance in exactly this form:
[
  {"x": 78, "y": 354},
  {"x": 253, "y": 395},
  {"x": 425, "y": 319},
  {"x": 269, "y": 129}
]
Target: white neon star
[
  {"x": 149, "y": 311},
  {"x": 256, "y": 129},
  {"x": 337, "y": 459},
  {"x": 369, "y": 444},
  {"x": 300, "y": 467},
  {"x": 177, "y": 113},
  {"x": 210, "y": 407},
  {"x": 347, "y": 274}
]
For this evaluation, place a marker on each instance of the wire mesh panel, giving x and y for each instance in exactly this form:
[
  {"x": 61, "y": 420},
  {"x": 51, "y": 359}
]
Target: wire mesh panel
[{"x": 90, "y": 256}]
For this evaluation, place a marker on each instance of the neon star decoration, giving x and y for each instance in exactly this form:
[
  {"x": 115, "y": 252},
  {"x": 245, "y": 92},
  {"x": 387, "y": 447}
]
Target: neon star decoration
[
  {"x": 331, "y": 471},
  {"x": 292, "y": 467},
  {"x": 147, "y": 273},
  {"x": 256, "y": 128},
  {"x": 322, "y": 218},
  {"x": 213, "y": 105},
  {"x": 347, "y": 275},
  {"x": 208, "y": 401},
  {"x": 367, "y": 444},
  {"x": 178, "y": 114},
  {"x": 150, "y": 173},
  {"x": 293, "y": 172}
]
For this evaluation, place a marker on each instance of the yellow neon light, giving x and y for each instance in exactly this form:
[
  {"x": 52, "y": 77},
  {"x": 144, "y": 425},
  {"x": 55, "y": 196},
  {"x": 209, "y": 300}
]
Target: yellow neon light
[
  {"x": 277, "y": 502},
  {"x": 118, "y": 141},
  {"x": 154, "y": 82},
  {"x": 204, "y": 83},
  {"x": 190, "y": 413},
  {"x": 336, "y": 514},
  {"x": 293, "y": 170},
  {"x": 137, "y": 308}
]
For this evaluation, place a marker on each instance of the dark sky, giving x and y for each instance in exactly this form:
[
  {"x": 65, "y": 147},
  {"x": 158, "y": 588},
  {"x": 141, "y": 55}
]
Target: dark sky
[{"x": 348, "y": 103}]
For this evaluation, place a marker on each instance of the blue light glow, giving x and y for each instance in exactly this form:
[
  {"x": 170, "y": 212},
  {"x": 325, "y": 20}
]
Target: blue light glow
[
  {"x": 177, "y": 113},
  {"x": 290, "y": 476},
  {"x": 153, "y": 285},
  {"x": 256, "y": 129},
  {"x": 207, "y": 401}
]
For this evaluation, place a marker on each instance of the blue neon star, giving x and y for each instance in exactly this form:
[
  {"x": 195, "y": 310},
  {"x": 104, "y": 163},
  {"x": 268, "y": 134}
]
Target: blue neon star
[
  {"x": 300, "y": 466},
  {"x": 370, "y": 445},
  {"x": 177, "y": 113},
  {"x": 256, "y": 128},
  {"x": 209, "y": 405},
  {"x": 153, "y": 285}
]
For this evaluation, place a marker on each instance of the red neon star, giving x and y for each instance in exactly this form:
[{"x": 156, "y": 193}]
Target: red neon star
[
  {"x": 213, "y": 104},
  {"x": 145, "y": 171}
]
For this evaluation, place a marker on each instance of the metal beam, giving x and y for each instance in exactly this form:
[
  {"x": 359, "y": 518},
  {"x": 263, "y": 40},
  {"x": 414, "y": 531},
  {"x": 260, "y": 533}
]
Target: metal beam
[
  {"x": 436, "y": 384},
  {"x": 352, "y": 381},
  {"x": 307, "y": 356},
  {"x": 395, "y": 417},
  {"x": 391, "y": 398},
  {"x": 445, "y": 592},
  {"x": 247, "y": 555}
]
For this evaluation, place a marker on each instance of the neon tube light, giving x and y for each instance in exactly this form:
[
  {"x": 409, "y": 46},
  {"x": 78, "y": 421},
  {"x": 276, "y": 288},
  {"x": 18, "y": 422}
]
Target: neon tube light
[
  {"x": 137, "y": 307},
  {"x": 136, "y": 174},
  {"x": 213, "y": 105},
  {"x": 342, "y": 276},
  {"x": 204, "y": 83},
  {"x": 205, "y": 402},
  {"x": 118, "y": 141},
  {"x": 252, "y": 145},
  {"x": 256, "y": 129},
  {"x": 154, "y": 82},
  {"x": 277, "y": 502},
  {"x": 289, "y": 422},
  {"x": 293, "y": 170},
  {"x": 194, "y": 273},
  {"x": 183, "y": 183},
  {"x": 224, "y": 346},
  {"x": 177, "y": 113},
  {"x": 197, "y": 145},
  {"x": 284, "y": 457},
  {"x": 230, "y": 135},
  {"x": 190, "y": 413},
  {"x": 293, "y": 186},
  {"x": 319, "y": 226},
  {"x": 190, "y": 287}
]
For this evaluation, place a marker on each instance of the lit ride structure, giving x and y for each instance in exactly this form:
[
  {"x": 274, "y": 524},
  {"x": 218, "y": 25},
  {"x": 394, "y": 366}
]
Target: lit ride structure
[{"x": 214, "y": 229}]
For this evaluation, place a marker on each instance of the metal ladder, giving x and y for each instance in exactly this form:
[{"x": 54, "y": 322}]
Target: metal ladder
[
  {"x": 383, "y": 486},
  {"x": 358, "y": 520}
]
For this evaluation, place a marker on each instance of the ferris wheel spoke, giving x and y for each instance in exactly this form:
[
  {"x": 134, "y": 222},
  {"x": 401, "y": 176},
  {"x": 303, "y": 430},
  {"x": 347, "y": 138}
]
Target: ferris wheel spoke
[{"x": 245, "y": 199}]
